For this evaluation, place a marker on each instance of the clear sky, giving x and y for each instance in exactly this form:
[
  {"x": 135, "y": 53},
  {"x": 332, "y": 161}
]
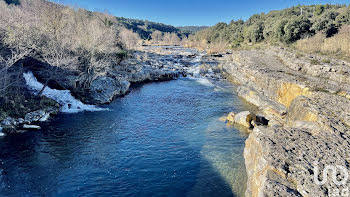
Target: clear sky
[{"x": 190, "y": 12}]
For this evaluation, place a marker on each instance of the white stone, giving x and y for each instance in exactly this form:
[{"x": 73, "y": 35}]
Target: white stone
[
  {"x": 31, "y": 127},
  {"x": 244, "y": 118},
  {"x": 45, "y": 117}
]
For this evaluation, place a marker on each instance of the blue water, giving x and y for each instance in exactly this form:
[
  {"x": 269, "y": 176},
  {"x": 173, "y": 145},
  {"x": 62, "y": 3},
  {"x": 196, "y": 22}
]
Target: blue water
[{"x": 162, "y": 139}]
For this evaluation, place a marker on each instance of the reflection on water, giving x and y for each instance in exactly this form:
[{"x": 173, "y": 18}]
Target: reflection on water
[{"x": 163, "y": 139}]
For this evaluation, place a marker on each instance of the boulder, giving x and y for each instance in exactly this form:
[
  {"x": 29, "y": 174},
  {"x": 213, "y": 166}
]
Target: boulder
[
  {"x": 34, "y": 116},
  {"x": 244, "y": 119},
  {"x": 231, "y": 117},
  {"x": 104, "y": 89}
]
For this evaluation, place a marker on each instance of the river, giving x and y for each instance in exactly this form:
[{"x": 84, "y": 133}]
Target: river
[{"x": 162, "y": 139}]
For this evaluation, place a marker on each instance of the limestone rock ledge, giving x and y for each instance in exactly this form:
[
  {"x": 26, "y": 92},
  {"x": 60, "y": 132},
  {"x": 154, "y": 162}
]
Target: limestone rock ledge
[
  {"x": 309, "y": 124},
  {"x": 281, "y": 161}
]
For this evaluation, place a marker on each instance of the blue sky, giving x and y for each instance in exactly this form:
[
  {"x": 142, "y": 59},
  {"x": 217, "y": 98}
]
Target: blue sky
[{"x": 189, "y": 12}]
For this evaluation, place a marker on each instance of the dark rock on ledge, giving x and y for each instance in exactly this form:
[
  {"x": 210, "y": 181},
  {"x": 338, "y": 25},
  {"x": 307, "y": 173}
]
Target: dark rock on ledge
[{"x": 104, "y": 89}]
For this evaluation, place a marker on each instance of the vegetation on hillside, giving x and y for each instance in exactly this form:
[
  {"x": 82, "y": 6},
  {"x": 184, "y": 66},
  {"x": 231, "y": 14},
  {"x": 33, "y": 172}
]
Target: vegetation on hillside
[
  {"x": 66, "y": 39},
  {"x": 145, "y": 28},
  {"x": 158, "y": 33},
  {"x": 189, "y": 30},
  {"x": 284, "y": 26}
]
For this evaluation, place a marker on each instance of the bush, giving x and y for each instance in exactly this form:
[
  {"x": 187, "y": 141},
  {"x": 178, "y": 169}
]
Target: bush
[
  {"x": 314, "y": 62},
  {"x": 326, "y": 61},
  {"x": 299, "y": 55},
  {"x": 254, "y": 33},
  {"x": 296, "y": 29},
  {"x": 319, "y": 10}
]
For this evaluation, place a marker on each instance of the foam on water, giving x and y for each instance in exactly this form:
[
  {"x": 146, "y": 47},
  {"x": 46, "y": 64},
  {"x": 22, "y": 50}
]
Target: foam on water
[
  {"x": 204, "y": 81},
  {"x": 195, "y": 70},
  {"x": 63, "y": 97}
]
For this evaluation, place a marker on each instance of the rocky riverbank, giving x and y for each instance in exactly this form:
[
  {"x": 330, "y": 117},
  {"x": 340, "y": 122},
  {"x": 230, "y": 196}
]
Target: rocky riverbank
[
  {"x": 306, "y": 100},
  {"x": 146, "y": 65}
]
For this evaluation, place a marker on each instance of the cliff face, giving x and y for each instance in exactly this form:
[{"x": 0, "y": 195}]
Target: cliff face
[{"x": 309, "y": 111}]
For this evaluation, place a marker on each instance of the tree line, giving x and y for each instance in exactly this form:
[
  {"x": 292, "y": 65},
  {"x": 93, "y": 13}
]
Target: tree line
[{"x": 284, "y": 26}]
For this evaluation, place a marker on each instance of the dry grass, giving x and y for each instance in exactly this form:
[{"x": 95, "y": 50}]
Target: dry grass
[
  {"x": 216, "y": 48},
  {"x": 311, "y": 45},
  {"x": 339, "y": 44},
  {"x": 200, "y": 45},
  {"x": 203, "y": 45}
]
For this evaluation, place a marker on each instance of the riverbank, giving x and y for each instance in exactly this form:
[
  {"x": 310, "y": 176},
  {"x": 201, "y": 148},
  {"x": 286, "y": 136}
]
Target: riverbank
[
  {"x": 151, "y": 63},
  {"x": 306, "y": 100},
  {"x": 162, "y": 138}
]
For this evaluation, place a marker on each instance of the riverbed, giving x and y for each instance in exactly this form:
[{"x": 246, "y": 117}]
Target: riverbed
[{"x": 162, "y": 139}]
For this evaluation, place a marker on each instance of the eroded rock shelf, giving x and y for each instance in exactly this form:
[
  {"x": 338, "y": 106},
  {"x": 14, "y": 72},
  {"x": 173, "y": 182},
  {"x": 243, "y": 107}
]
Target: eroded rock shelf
[{"x": 309, "y": 111}]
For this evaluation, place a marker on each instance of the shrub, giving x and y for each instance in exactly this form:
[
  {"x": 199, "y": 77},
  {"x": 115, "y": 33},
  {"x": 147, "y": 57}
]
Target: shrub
[
  {"x": 299, "y": 55},
  {"x": 314, "y": 62},
  {"x": 319, "y": 10},
  {"x": 326, "y": 61},
  {"x": 296, "y": 29}
]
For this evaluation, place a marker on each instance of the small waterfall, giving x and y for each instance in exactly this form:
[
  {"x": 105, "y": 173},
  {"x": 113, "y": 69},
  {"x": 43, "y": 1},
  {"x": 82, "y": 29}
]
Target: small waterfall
[
  {"x": 195, "y": 71},
  {"x": 196, "y": 62},
  {"x": 63, "y": 97}
]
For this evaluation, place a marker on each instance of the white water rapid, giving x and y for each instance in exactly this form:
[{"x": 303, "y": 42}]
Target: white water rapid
[{"x": 63, "y": 97}]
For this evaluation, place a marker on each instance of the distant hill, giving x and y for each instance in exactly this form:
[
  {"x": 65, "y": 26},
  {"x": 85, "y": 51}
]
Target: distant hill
[
  {"x": 145, "y": 28},
  {"x": 191, "y": 29}
]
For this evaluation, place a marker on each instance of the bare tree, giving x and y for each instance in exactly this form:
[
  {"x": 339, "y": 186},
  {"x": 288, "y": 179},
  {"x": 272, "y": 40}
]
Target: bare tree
[
  {"x": 157, "y": 37},
  {"x": 65, "y": 38},
  {"x": 171, "y": 39},
  {"x": 130, "y": 39}
]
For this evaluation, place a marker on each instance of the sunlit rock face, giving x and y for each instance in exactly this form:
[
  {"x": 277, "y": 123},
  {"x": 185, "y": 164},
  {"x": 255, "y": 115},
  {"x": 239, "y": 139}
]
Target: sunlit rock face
[{"x": 308, "y": 112}]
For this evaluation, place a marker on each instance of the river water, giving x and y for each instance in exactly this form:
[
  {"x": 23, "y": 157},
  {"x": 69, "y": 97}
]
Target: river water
[{"x": 162, "y": 139}]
